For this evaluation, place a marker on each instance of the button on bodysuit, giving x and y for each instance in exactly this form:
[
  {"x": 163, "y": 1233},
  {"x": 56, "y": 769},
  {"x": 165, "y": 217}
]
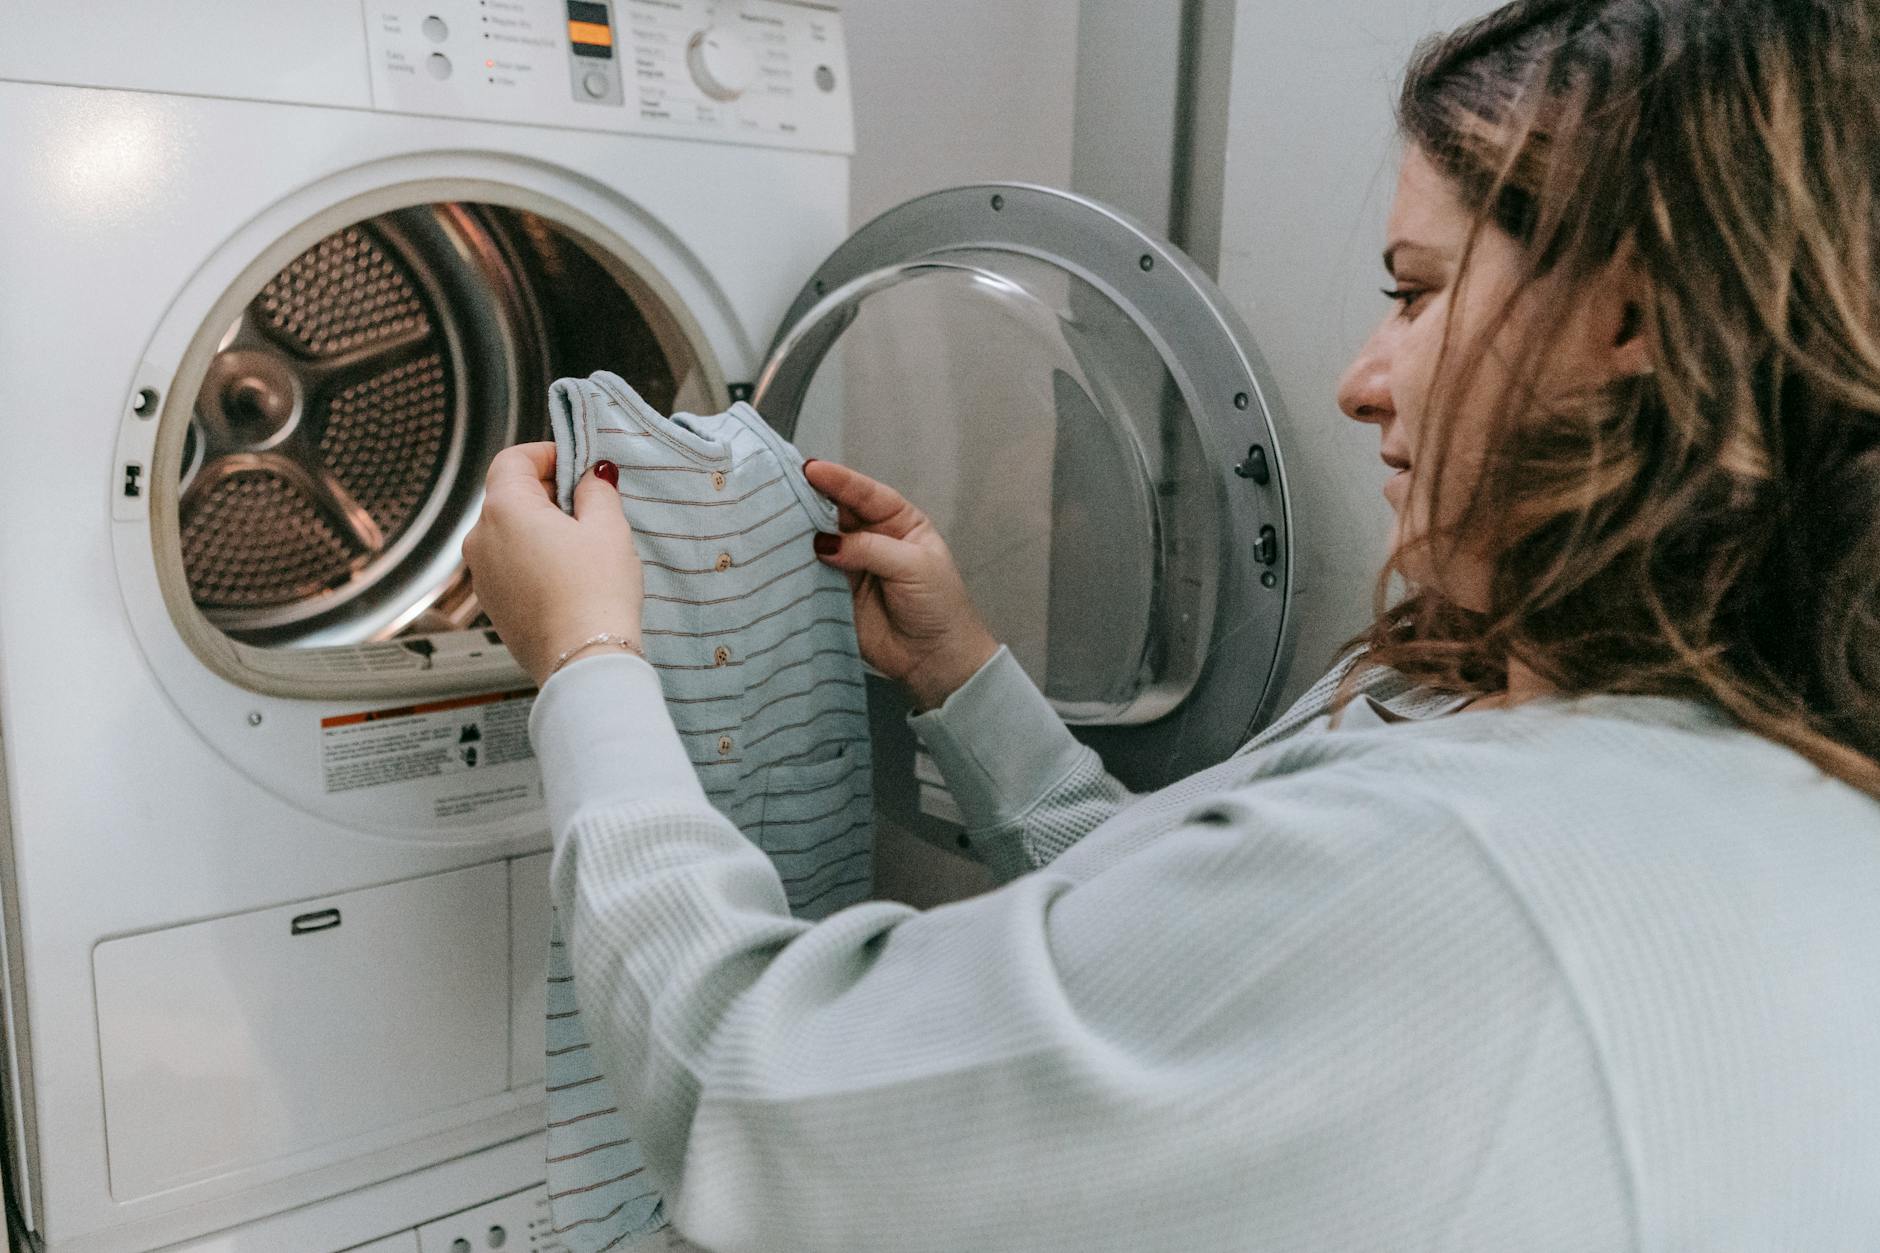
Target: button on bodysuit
[{"x": 754, "y": 642}]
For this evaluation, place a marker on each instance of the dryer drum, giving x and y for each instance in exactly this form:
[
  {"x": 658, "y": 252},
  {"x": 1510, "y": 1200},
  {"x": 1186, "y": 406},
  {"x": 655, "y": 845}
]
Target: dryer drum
[{"x": 338, "y": 443}]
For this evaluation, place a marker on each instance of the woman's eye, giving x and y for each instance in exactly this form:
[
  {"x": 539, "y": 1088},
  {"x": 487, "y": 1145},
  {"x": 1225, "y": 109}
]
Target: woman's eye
[{"x": 1407, "y": 298}]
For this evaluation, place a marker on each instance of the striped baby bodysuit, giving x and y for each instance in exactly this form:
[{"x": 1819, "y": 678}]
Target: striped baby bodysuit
[{"x": 754, "y": 642}]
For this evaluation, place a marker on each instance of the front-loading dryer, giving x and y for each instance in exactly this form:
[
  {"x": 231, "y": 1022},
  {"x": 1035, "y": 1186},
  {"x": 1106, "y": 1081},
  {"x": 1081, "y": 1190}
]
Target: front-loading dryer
[{"x": 280, "y": 281}]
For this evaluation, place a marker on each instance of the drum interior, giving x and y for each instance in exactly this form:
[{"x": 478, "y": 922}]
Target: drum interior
[{"x": 337, "y": 446}]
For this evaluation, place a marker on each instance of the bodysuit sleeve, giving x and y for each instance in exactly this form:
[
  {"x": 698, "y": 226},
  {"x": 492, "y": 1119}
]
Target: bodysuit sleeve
[{"x": 1026, "y": 789}]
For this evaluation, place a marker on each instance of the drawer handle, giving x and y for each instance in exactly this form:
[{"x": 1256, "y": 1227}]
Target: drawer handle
[{"x": 320, "y": 920}]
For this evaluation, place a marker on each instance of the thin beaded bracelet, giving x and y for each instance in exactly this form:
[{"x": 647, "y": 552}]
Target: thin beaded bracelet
[{"x": 605, "y": 637}]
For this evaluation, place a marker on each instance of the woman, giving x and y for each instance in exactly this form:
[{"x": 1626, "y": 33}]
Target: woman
[{"x": 1549, "y": 920}]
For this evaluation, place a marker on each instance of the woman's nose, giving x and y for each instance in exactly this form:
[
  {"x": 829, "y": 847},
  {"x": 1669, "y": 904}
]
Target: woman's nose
[{"x": 1364, "y": 391}]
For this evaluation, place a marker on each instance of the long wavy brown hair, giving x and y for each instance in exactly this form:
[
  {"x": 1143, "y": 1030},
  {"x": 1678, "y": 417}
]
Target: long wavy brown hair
[{"x": 1710, "y": 530}]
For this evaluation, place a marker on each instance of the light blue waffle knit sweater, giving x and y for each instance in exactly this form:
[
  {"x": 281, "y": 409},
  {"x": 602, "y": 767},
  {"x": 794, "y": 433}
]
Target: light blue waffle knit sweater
[
  {"x": 754, "y": 645},
  {"x": 1583, "y": 975}
]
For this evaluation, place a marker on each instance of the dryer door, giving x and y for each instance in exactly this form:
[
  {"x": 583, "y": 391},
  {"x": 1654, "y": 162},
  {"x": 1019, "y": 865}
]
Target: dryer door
[{"x": 1074, "y": 404}]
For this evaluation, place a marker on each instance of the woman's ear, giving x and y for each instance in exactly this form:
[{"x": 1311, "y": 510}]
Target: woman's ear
[
  {"x": 1631, "y": 347},
  {"x": 1623, "y": 298}
]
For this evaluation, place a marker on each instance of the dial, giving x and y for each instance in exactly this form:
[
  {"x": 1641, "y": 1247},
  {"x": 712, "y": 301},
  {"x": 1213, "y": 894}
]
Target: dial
[{"x": 722, "y": 64}]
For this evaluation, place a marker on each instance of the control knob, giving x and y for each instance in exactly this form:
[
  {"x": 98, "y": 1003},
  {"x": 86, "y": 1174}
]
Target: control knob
[{"x": 721, "y": 62}]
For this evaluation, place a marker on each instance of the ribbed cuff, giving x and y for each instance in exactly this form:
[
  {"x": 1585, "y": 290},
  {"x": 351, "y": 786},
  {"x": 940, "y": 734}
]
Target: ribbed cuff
[
  {"x": 998, "y": 743},
  {"x": 602, "y": 734}
]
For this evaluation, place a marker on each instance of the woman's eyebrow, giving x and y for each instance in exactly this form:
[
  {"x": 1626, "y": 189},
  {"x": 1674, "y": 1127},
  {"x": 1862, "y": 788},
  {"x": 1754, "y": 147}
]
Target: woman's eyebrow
[{"x": 1408, "y": 245}]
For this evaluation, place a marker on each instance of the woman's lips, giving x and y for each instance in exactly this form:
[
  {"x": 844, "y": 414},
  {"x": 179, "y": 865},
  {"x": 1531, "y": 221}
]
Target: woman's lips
[{"x": 1396, "y": 486}]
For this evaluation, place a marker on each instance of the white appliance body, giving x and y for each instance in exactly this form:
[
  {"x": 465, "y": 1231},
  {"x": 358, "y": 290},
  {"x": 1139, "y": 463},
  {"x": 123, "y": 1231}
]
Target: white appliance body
[
  {"x": 189, "y": 890},
  {"x": 211, "y": 841}
]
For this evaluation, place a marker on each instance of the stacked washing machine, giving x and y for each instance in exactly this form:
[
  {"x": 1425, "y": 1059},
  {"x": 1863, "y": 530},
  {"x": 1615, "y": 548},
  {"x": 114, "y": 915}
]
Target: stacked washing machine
[{"x": 279, "y": 281}]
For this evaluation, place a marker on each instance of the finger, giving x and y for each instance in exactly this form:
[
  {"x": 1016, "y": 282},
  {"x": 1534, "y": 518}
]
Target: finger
[
  {"x": 870, "y": 552},
  {"x": 869, "y": 501},
  {"x": 527, "y": 466},
  {"x": 597, "y": 500}
]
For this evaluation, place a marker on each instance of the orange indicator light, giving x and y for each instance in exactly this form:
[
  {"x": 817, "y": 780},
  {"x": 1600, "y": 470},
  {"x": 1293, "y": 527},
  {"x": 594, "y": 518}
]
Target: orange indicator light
[{"x": 591, "y": 33}]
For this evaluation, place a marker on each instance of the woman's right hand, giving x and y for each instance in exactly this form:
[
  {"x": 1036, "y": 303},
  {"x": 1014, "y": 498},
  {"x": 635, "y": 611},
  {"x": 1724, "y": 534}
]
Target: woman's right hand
[{"x": 913, "y": 617}]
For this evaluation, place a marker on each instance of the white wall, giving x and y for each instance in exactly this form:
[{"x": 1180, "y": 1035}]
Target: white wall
[
  {"x": 1310, "y": 169},
  {"x": 958, "y": 91}
]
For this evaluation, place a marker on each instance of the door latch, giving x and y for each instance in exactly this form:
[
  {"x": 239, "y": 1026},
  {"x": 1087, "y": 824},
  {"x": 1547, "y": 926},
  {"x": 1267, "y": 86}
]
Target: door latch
[
  {"x": 1254, "y": 466},
  {"x": 1266, "y": 548}
]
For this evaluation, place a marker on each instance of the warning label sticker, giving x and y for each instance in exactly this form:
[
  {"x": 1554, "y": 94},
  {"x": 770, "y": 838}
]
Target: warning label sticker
[
  {"x": 429, "y": 741},
  {"x": 472, "y": 803}
]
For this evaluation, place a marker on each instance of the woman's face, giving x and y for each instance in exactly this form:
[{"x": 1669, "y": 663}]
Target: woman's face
[
  {"x": 1388, "y": 383},
  {"x": 1390, "y": 380}
]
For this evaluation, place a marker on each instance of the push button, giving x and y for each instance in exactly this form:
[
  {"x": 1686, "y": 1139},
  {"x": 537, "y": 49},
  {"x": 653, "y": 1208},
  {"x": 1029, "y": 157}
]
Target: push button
[
  {"x": 721, "y": 656},
  {"x": 723, "y": 563}
]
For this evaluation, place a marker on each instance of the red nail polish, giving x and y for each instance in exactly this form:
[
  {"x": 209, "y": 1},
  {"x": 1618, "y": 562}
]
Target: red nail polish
[
  {"x": 608, "y": 472},
  {"x": 825, "y": 543}
]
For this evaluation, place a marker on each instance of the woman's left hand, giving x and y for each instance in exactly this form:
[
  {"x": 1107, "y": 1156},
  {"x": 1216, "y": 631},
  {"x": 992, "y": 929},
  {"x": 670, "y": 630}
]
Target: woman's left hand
[{"x": 549, "y": 581}]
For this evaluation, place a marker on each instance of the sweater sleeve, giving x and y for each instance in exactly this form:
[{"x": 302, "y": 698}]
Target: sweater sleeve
[
  {"x": 1305, "y": 1002},
  {"x": 1026, "y": 789}
]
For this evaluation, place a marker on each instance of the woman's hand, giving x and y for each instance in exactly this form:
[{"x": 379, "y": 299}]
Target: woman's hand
[
  {"x": 912, "y": 614},
  {"x": 549, "y": 581}
]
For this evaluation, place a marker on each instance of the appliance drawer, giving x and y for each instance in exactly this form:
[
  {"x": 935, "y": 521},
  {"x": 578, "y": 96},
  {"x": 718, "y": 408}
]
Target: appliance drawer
[{"x": 235, "y": 1041}]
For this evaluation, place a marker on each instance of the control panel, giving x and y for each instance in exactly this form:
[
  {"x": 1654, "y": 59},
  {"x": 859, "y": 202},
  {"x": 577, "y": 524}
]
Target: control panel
[{"x": 769, "y": 72}]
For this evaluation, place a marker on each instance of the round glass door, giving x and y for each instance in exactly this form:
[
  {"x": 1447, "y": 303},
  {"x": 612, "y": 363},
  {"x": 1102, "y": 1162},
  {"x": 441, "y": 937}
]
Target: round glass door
[{"x": 1069, "y": 400}]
